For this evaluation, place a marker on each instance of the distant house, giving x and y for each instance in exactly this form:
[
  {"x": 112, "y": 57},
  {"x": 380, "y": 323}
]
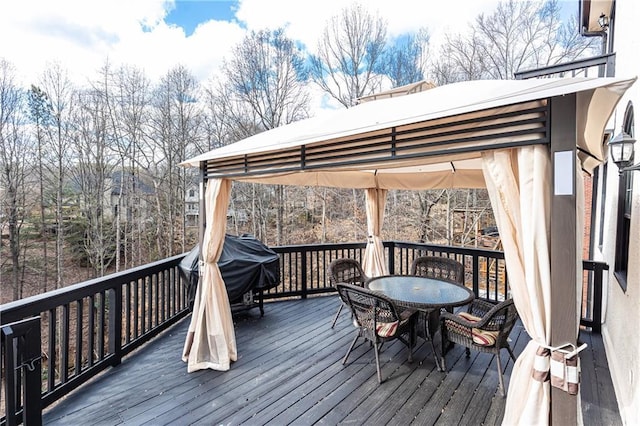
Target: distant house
[
  {"x": 192, "y": 206},
  {"x": 125, "y": 192}
]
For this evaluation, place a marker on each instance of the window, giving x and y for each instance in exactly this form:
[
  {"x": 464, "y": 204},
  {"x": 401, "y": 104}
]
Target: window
[{"x": 625, "y": 193}]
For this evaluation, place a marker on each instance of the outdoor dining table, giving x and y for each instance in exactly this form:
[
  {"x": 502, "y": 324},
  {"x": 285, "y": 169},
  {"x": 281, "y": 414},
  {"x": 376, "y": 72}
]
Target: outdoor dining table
[{"x": 428, "y": 295}]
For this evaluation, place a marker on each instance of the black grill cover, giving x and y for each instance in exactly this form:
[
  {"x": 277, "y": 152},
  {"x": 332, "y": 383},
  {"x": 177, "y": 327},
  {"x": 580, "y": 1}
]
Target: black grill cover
[{"x": 245, "y": 263}]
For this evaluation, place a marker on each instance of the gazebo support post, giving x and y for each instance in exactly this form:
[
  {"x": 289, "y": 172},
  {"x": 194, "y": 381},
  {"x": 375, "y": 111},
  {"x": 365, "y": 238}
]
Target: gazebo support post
[
  {"x": 201, "y": 209},
  {"x": 563, "y": 243}
]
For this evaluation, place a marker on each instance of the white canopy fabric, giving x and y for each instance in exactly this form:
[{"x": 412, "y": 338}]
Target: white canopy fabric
[
  {"x": 426, "y": 140},
  {"x": 467, "y": 135}
]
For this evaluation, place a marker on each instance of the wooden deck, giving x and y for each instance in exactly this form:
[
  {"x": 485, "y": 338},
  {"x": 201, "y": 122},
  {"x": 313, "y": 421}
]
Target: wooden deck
[{"x": 289, "y": 371}]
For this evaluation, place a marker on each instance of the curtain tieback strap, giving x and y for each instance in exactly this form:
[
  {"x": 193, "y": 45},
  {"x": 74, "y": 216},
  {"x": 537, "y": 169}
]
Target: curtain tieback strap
[
  {"x": 541, "y": 364},
  {"x": 560, "y": 364}
]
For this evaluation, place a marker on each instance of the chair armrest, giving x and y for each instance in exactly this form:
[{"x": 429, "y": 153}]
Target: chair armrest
[
  {"x": 480, "y": 307},
  {"x": 458, "y": 320},
  {"x": 480, "y": 323}
]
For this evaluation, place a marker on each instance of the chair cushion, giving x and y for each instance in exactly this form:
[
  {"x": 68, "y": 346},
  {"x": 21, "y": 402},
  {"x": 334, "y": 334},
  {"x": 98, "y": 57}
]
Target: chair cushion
[
  {"x": 388, "y": 329},
  {"x": 480, "y": 337}
]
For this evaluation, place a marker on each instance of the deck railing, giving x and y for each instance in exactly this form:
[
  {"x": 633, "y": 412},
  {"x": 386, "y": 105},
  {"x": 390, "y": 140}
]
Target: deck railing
[
  {"x": 597, "y": 66},
  {"x": 86, "y": 328},
  {"x": 303, "y": 267},
  {"x": 90, "y": 326}
]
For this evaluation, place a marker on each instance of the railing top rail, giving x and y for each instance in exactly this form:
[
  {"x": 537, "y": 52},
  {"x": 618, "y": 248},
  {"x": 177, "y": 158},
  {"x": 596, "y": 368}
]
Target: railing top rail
[
  {"x": 325, "y": 246},
  {"x": 591, "y": 265},
  {"x": 564, "y": 67},
  {"x": 449, "y": 249}
]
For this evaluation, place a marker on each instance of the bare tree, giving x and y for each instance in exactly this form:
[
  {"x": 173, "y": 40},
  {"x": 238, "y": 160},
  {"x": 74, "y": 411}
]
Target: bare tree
[
  {"x": 15, "y": 157},
  {"x": 349, "y": 52},
  {"x": 472, "y": 211},
  {"x": 125, "y": 94},
  {"x": 91, "y": 173},
  {"x": 266, "y": 72},
  {"x": 131, "y": 113},
  {"x": 510, "y": 38},
  {"x": 427, "y": 201},
  {"x": 217, "y": 117},
  {"x": 405, "y": 61},
  {"x": 459, "y": 59},
  {"x": 266, "y": 75},
  {"x": 58, "y": 87},
  {"x": 226, "y": 117},
  {"x": 175, "y": 122},
  {"x": 517, "y": 35},
  {"x": 40, "y": 114}
]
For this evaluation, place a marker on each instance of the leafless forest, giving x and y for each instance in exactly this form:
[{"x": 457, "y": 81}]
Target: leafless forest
[{"x": 90, "y": 179}]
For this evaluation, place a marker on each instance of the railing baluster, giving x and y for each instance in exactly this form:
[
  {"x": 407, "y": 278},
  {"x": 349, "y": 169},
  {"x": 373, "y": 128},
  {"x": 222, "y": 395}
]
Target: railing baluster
[
  {"x": 64, "y": 344},
  {"x": 153, "y": 320},
  {"x": 303, "y": 272},
  {"x": 475, "y": 273},
  {"x": 157, "y": 317},
  {"x": 135, "y": 311},
  {"x": 101, "y": 325},
  {"x": 143, "y": 305},
  {"x": 115, "y": 324},
  {"x": 79, "y": 336},
  {"x": 127, "y": 312},
  {"x": 92, "y": 325},
  {"x": 51, "y": 361},
  {"x": 174, "y": 285}
]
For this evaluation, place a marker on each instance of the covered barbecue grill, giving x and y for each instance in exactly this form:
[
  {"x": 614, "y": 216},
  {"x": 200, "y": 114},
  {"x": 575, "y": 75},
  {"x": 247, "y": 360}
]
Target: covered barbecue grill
[{"x": 248, "y": 268}]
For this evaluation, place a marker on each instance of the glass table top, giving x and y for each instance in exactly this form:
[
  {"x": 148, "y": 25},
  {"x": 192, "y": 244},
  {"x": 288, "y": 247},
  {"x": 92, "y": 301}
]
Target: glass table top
[{"x": 421, "y": 291}]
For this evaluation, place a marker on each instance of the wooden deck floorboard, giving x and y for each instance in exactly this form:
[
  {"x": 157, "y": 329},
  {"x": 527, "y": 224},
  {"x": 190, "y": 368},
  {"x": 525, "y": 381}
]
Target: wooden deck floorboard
[{"x": 289, "y": 371}]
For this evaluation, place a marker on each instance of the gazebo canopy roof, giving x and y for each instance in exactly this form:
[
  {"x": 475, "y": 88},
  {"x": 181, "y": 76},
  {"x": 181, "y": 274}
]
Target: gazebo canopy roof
[{"x": 431, "y": 139}]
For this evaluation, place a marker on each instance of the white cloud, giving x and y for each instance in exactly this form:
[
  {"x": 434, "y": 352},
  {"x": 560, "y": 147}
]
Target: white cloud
[{"x": 81, "y": 35}]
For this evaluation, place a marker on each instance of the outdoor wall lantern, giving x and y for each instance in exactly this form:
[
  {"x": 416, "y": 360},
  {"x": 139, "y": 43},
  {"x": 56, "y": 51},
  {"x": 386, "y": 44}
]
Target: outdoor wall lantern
[
  {"x": 621, "y": 147},
  {"x": 603, "y": 21}
]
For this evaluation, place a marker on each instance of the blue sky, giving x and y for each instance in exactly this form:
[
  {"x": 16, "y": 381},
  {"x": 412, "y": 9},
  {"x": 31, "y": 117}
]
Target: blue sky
[{"x": 189, "y": 13}]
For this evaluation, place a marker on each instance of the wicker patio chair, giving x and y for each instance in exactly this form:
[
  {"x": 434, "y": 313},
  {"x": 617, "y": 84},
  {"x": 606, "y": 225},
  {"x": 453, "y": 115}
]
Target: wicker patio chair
[
  {"x": 442, "y": 268},
  {"x": 377, "y": 320},
  {"x": 485, "y": 327},
  {"x": 348, "y": 271}
]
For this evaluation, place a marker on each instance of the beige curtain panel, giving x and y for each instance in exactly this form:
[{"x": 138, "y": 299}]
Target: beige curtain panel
[
  {"x": 211, "y": 340},
  {"x": 519, "y": 186},
  {"x": 374, "y": 263}
]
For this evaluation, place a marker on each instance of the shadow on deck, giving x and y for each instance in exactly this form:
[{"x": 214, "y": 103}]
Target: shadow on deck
[{"x": 289, "y": 371}]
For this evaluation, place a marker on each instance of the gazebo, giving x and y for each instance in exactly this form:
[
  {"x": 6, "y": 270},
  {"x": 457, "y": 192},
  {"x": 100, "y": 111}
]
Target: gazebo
[{"x": 526, "y": 141}]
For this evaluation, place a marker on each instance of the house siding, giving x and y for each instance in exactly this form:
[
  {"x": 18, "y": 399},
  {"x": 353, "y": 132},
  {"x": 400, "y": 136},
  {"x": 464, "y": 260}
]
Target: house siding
[{"x": 622, "y": 308}]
